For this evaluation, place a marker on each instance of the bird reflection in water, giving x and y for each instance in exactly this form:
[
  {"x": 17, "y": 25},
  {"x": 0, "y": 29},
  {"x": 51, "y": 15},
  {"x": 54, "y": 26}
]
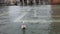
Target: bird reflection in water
[{"x": 24, "y": 32}]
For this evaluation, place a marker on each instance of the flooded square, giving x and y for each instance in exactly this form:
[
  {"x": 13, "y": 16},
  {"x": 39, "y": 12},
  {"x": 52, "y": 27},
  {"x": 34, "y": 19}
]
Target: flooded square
[{"x": 40, "y": 19}]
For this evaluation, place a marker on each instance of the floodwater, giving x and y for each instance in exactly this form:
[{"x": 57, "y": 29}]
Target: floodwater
[{"x": 39, "y": 19}]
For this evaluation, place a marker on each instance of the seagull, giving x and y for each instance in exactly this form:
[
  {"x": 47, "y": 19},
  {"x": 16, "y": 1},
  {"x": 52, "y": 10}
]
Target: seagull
[{"x": 23, "y": 26}]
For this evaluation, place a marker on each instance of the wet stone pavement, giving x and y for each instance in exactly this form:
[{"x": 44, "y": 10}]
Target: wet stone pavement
[{"x": 38, "y": 19}]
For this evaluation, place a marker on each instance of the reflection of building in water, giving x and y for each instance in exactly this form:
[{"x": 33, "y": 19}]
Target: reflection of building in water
[
  {"x": 32, "y": 2},
  {"x": 55, "y": 1},
  {"x": 11, "y": 2},
  {"x": 7, "y": 2},
  {"x": 28, "y": 2},
  {"x": 2, "y": 2},
  {"x": 25, "y": 2}
]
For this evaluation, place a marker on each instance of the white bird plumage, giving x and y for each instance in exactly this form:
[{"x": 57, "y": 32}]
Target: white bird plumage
[{"x": 23, "y": 26}]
